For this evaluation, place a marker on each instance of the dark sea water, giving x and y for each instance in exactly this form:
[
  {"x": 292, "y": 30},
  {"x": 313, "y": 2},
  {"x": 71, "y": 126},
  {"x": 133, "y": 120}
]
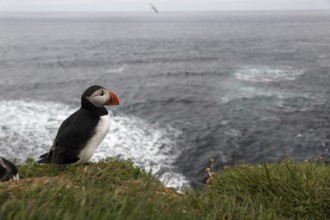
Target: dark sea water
[{"x": 235, "y": 87}]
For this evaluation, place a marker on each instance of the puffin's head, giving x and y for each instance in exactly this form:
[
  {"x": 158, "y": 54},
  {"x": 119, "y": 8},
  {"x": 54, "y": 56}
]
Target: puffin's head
[{"x": 99, "y": 96}]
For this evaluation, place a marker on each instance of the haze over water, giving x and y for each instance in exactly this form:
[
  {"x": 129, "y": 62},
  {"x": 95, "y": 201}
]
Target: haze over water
[{"x": 250, "y": 86}]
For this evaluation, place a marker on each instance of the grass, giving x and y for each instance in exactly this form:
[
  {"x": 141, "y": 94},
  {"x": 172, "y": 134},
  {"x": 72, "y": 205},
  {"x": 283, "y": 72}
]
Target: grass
[{"x": 115, "y": 189}]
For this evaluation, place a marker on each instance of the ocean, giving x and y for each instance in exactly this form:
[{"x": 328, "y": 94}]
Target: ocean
[{"x": 233, "y": 86}]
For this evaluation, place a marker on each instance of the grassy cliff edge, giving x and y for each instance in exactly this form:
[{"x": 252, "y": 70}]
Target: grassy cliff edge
[{"x": 115, "y": 189}]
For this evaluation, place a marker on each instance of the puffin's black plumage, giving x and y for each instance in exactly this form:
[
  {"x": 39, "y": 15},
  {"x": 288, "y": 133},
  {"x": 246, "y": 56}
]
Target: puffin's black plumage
[
  {"x": 75, "y": 132},
  {"x": 8, "y": 171}
]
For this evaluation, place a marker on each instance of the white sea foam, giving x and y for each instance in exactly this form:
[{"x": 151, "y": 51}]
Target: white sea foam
[
  {"x": 248, "y": 92},
  {"x": 28, "y": 129},
  {"x": 116, "y": 70},
  {"x": 264, "y": 74}
]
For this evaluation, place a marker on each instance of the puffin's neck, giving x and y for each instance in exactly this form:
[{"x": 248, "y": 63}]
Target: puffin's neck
[{"x": 86, "y": 104}]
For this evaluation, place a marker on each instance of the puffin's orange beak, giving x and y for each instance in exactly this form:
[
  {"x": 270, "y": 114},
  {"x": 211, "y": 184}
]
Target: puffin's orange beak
[{"x": 113, "y": 99}]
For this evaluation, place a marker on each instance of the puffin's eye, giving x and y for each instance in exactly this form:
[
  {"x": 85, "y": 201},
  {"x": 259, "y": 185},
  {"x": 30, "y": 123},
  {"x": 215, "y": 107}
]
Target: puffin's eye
[{"x": 102, "y": 93}]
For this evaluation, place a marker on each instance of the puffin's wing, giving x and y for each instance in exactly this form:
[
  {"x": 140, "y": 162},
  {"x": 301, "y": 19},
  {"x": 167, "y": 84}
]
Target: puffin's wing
[
  {"x": 65, "y": 124},
  {"x": 47, "y": 157},
  {"x": 71, "y": 137}
]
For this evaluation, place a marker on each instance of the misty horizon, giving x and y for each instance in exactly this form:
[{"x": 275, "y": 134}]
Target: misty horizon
[{"x": 161, "y": 5}]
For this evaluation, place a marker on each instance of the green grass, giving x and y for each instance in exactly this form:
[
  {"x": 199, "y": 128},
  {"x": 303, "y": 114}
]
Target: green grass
[{"x": 115, "y": 189}]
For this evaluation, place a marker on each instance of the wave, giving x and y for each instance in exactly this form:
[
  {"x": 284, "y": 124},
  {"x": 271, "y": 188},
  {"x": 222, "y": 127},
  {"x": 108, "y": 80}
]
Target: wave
[
  {"x": 29, "y": 127},
  {"x": 251, "y": 92},
  {"x": 116, "y": 70},
  {"x": 264, "y": 74}
]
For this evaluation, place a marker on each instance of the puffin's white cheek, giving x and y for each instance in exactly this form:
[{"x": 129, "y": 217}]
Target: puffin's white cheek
[{"x": 98, "y": 100}]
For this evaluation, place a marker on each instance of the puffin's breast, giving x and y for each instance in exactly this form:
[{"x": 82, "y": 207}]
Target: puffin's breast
[{"x": 101, "y": 130}]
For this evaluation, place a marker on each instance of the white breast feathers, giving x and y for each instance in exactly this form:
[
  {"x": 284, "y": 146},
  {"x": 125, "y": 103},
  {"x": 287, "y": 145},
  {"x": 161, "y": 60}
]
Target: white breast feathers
[{"x": 101, "y": 131}]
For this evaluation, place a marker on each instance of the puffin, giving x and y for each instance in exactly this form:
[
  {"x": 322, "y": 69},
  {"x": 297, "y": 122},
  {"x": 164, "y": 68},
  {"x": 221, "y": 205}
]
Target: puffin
[
  {"x": 8, "y": 171},
  {"x": 82, "y": 132}
]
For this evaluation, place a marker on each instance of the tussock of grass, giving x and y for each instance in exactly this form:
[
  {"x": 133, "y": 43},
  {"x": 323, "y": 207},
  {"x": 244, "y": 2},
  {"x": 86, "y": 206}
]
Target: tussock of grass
[
  {"x": 271, "y": 191},
  {"x": 113, "y": 189}
]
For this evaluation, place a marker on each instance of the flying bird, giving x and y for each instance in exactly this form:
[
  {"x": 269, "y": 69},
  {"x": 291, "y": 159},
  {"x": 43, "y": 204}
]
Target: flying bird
[
  {"x": 154, "y": 8},
  {"x": 81, "y": 133},
  {"x": 8, "y": 171}
]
